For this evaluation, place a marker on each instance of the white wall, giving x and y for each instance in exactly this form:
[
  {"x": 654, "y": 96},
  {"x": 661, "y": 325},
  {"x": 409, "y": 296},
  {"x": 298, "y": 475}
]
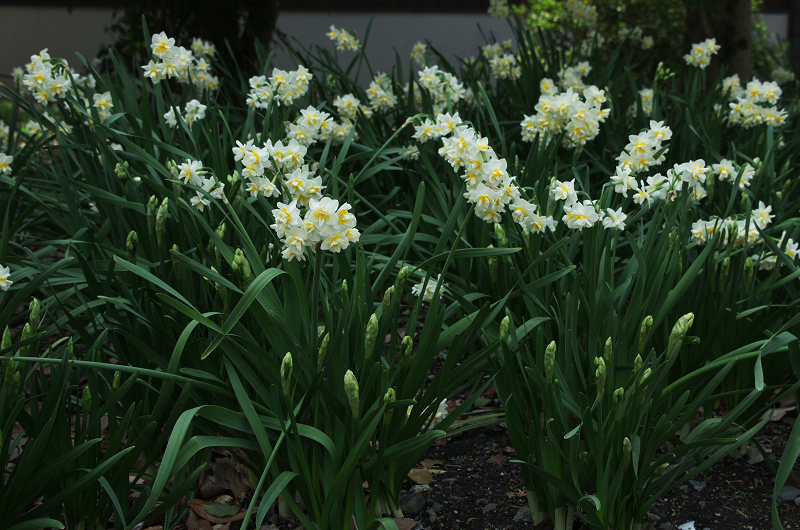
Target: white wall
[
  {"x": 777, "y": 24},
  {"x": 26, "y": 30}
]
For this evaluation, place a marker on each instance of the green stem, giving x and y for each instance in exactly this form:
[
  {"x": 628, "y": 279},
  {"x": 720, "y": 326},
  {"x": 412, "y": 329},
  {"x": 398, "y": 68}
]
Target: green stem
[
  {"x": 315, "y": 298},
  {"x": 533, "y": 503}
]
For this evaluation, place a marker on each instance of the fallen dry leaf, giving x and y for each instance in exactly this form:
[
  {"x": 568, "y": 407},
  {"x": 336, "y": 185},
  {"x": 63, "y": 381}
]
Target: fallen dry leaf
[
  {"x": 429, "y": 462},
  {"x": 421, "y": 476},
  {"x": 753, "y": 455},
  {"x": 512, "y": 494},
  {"x": 195, "y": 522},
  {"x": 498, "y": 459}
]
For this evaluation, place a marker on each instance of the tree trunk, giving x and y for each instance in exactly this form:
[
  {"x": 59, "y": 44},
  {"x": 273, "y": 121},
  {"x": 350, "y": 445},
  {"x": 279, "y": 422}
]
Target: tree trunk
[{"x": 731, "y": 25}]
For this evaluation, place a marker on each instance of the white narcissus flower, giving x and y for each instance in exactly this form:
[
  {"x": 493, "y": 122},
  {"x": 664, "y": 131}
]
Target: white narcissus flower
[
  {"x": 762, "y": 215},
  {"x": 5, "y": 163},
  {"x": 427, "y": 290},
  {"x": 614, "y": 219},
  {"x": 170, "y": 118},
  {"x": 5, "y": 283},
  {"x": 565, "y": 191},
  {"x": 192, "y": 171}
]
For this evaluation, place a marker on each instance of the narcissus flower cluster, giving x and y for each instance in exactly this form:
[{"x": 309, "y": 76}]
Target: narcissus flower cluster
[
  {"x": 700, "y": 54},
  {"x": 755, "y": 104},
  {"x": 566, "y": 111},
  {"x": 47, "y": 81},
  {"x": 170, "y": 61},
  {"x": 194, "y": 111},
  {"x": 442, "y": 86},
  {"x": 344, "y": 39},
  {"x": 326, "y": 223},
  {"x": 498, "y": 8},
  {"x": 283, "y": 87}
]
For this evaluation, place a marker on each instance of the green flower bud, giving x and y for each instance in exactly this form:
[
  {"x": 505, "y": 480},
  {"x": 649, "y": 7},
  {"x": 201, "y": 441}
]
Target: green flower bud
[
  {"x": 494, "y": 266},
  {"x": 712, "y": 268},
  {"x": 600, "y": 375},
  {"x": 36, "y": 315},
  {"x": 351, "y": 390},
  {"x": 161, "y": 220},
  {"x": 370, "y": 336},
  {"x": 14, "y": 389},
  {"x": 9, "y": 369},
  {"x": 387, "y": 300},
  {"x": 723, "y": 273},
  {"x": 549, "y": 361},
  {"x": 174, "y": 173},
  {"x": 406, "y": 349},
  {"x": 644, "y": 333},
  {"x": 241, "y": 267},
  {"x": 711, "y": 181},
  {"x": 637, "y": 364},
  {"x": 661, "y": 468},
  {"x": 6, "y": 342},
  {"x": 401, "y": 280},
  {"x": 263, "y": 254},
  {"x": 500, "y": 234},
  {"x": 748, "y": 273},
  {"x": 132, "y": 244},
  {"x": 26, "y": 334},
  {"x": 286, "y": 373},
  {"x": 644, "y": 377},
  {"x": 69, "y": 348},
  {"x": 345, "y": 294},
  {"x": 619, "y": 395},
  {"x": 732, "y": 235},
  {"x": 116, "y": 382},
  {"x": 627, "y": 449},
  {"x": 323, "y": 351},
  {"x": 679, "y": 331},
  {"x": 176, "y": 264},
  {"x": 390, "y": 397},
  {"x": 608, "y": 350},
  {"x": 504, "y": 329},
  {"x": 152, "y": 205},
  {"x": 86, "y": 401}
]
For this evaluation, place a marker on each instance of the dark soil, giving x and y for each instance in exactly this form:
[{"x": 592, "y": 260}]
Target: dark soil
[{"x": 477, "y": 487}]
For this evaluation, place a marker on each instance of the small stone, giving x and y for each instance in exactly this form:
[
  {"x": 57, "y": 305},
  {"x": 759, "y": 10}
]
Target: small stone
[
  {"x": 788, "y": 493},
  {"x": 699, "y": 485},
  {"x": 490, "y": 507},
  {"x": 797, "y": 501},
  {"x": 412, "y": 504},
  {"x": 418, "y": 488},
  {"x": 665, "y": 526},
  {"x": 458, "y": 461},
  {"x": 432, "y": 517},
  {"x": 448, "y": 480},
  {"x": 455, "y": 526},
  {"x": 735, "y": 454},
  {"x": 437, "y": 508},
  {"x": 475, "y": 476},
  {"x": 523, "y": 515}
]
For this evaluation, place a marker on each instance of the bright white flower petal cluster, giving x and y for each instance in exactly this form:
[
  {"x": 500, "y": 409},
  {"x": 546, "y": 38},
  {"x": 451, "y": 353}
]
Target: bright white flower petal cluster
[
  {"x": 441, "y": 413},
  {"x": 442, "y": 86},
  {"x": 646, "y": 97},
  {"x": 177, "y": 62},
  {"x": 192, "y": 172},
  {"x": 325, "y": 222},
  {"x": 427, "y": 290},
  {"x": 283, "y": 86},
  {"x": 642, "y": 151},
  {"x": 103, "y": 104},
  {"x": 572, "y": 76},
  {"x": 380, "y": 94},
  {"x": 46, "y": 81},
  {"x": 725, "y": 171},
  {"x": 5, "y": 163},
  {"x": 310, "y": 126},
  {"x": 420, "y": 54},
  {"x": 781, "y": 75},
  {"x": 566, "y": 111},
  {"x": 505, "y": 67},
  {"x": 756, "y": 104},
  {"x": 5, "y": 283},
  {"x": 344, "y": 39},
  {"x": 582, "y": 13},
  {"x": 767, "y": 260},
  {"x": 700, "y": 54},
  {"x": 194, "y": 111},
  {"x": 498, "y": 8}
]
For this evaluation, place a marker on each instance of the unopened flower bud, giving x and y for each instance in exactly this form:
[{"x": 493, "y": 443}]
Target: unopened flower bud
[
  {"x": 723, "y": 273},
  {"x": 323, "y": 351},
  {"x": 132, "y": 244},
  {"x": 387, "y": 300},
  {"x": 161, "y": 220},
  {"x": 644, "y": 377},
  {"x": 406, "y": 349},
  {"x": 600, "y": 375},
  {"x": 626, "y": 452},
  {"x": 26, "y": 334},
  {"x": 500, "y": 234},
  {"x": 176, "y": 264},
  {"x": 69, "y": 348},
  {"x": 286, "y": 373},
  {"x": 370, "y": 336},
  {"x": 9, "y": 369},
  {"x": 678, "y": 333},
  {"x": 401, "y": 280},
  {"x": 390, "y": 397},
  {"x": 549, "y": 361},
  {"x": 36, "y": 315},
  {"x": 152, "y": 205},
  {"x": 6, "y": 342},
  {"x": 618, "y": 396},
  {"x": 608, "y": 350},
  {"x": 86, "y": 401},
  {"x": 174, "y": 172},
  {"x": 116, "y": 382},
  {"x": 504, "y": 329},
  {"x": 345, "y": 293},
  {"x": 637, "y": 363},
  {"x": 241, "y": 267},
  {"x": 494, "y": 266},
  {"x": 351, "y": 389},
  {"x": 644, "y": 333},
  {"x": 748, "y": 273}
]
